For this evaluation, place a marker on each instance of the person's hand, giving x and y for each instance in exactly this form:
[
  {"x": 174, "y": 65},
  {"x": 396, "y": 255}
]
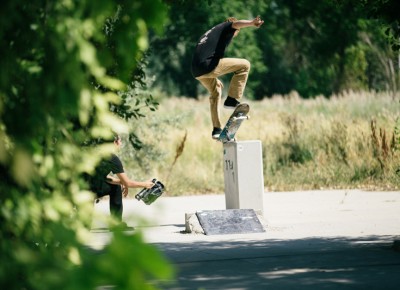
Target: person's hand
[
  {"x": 257, "y": 22},
  {"x": 148, "y": 184}
]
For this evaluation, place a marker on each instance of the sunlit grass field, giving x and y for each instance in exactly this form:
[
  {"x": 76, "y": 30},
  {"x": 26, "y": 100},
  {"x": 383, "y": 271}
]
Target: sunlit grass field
[{"x": 346, "y": 141}]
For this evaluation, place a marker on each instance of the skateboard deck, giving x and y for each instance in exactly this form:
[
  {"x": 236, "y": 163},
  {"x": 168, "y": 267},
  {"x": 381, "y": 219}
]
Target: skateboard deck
[
  {"x": 149, "y": 195},
  {"x": 234, "y": 122}
]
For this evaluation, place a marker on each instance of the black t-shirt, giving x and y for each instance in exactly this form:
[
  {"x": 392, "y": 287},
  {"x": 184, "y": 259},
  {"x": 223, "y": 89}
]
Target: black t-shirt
[
  {"x": 112, "y": 164},
  {"x": 211, "y": 48}
]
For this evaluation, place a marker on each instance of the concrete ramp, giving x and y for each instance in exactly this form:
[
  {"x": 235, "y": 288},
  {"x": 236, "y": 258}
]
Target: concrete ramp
[{"x": 230, "y": 221}]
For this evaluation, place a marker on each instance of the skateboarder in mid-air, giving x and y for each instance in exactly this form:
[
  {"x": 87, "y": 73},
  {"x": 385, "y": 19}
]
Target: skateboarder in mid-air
[{"x": 208, "y": 64}]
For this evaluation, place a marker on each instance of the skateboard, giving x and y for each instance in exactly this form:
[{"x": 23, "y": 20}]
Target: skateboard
[
  {"x": 149, "y": 195},
  {"x": 234, "y": 122}
]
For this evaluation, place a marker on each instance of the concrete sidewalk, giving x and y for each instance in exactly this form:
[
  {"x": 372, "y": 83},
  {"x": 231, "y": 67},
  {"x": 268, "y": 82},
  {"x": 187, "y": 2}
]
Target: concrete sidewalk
[{"x": 323, "y": 239}]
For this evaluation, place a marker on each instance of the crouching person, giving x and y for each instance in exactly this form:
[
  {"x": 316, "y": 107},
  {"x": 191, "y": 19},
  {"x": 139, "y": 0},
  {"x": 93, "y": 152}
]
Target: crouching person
[{"x": 102, "y": 183}]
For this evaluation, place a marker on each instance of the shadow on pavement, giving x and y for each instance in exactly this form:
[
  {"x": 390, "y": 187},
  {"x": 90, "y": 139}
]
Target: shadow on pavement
[{"x": 319, "y": 263}]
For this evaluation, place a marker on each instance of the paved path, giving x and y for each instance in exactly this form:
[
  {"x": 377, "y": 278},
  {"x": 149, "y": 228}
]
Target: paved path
[{"x": 314, "y": 239}]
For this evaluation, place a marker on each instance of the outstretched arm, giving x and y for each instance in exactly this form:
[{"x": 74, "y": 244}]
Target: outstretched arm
[
  {"x": 257, "y": 22},
  {"x": 126, "y": 183}
]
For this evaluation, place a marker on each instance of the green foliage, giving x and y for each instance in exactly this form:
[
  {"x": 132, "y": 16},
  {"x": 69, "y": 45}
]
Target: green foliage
[
  {"x": 292, "y": 150},
  {"x": 172, "y": 53},
  {"x": 313, "y": 47},
  {"x": 63, "y": 63},
  {"x": 385, "y": 11},
  {"x": 144, "y": 163},
  {"x": 137, "y": 265}
]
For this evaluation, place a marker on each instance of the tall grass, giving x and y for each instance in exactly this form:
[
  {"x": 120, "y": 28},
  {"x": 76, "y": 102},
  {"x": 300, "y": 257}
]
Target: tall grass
[{"x": 347, "y": 141}]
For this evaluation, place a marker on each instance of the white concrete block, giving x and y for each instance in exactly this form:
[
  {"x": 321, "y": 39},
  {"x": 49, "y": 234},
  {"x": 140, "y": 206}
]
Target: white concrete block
[{"x": 243, "y": 175}]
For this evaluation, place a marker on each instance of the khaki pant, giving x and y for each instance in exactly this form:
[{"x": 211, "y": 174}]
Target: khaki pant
[{"x": 240, "y": 67}]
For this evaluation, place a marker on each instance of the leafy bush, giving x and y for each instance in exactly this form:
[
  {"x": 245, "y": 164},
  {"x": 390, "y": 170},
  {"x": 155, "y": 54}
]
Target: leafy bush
[{"x": 60, "y": 75}]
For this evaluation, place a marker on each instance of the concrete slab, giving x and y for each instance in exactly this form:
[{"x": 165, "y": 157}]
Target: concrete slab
[
  {"x": 340, "y": 239},
  {"x": 229, "y": 221}
]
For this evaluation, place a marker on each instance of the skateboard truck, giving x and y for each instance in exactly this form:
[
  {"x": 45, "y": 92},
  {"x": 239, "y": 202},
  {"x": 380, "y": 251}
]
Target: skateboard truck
[
  {"x": 234, "y": 119},
  {"x": 229, "y": 139},
  {"x": 232, "y": 125}
]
